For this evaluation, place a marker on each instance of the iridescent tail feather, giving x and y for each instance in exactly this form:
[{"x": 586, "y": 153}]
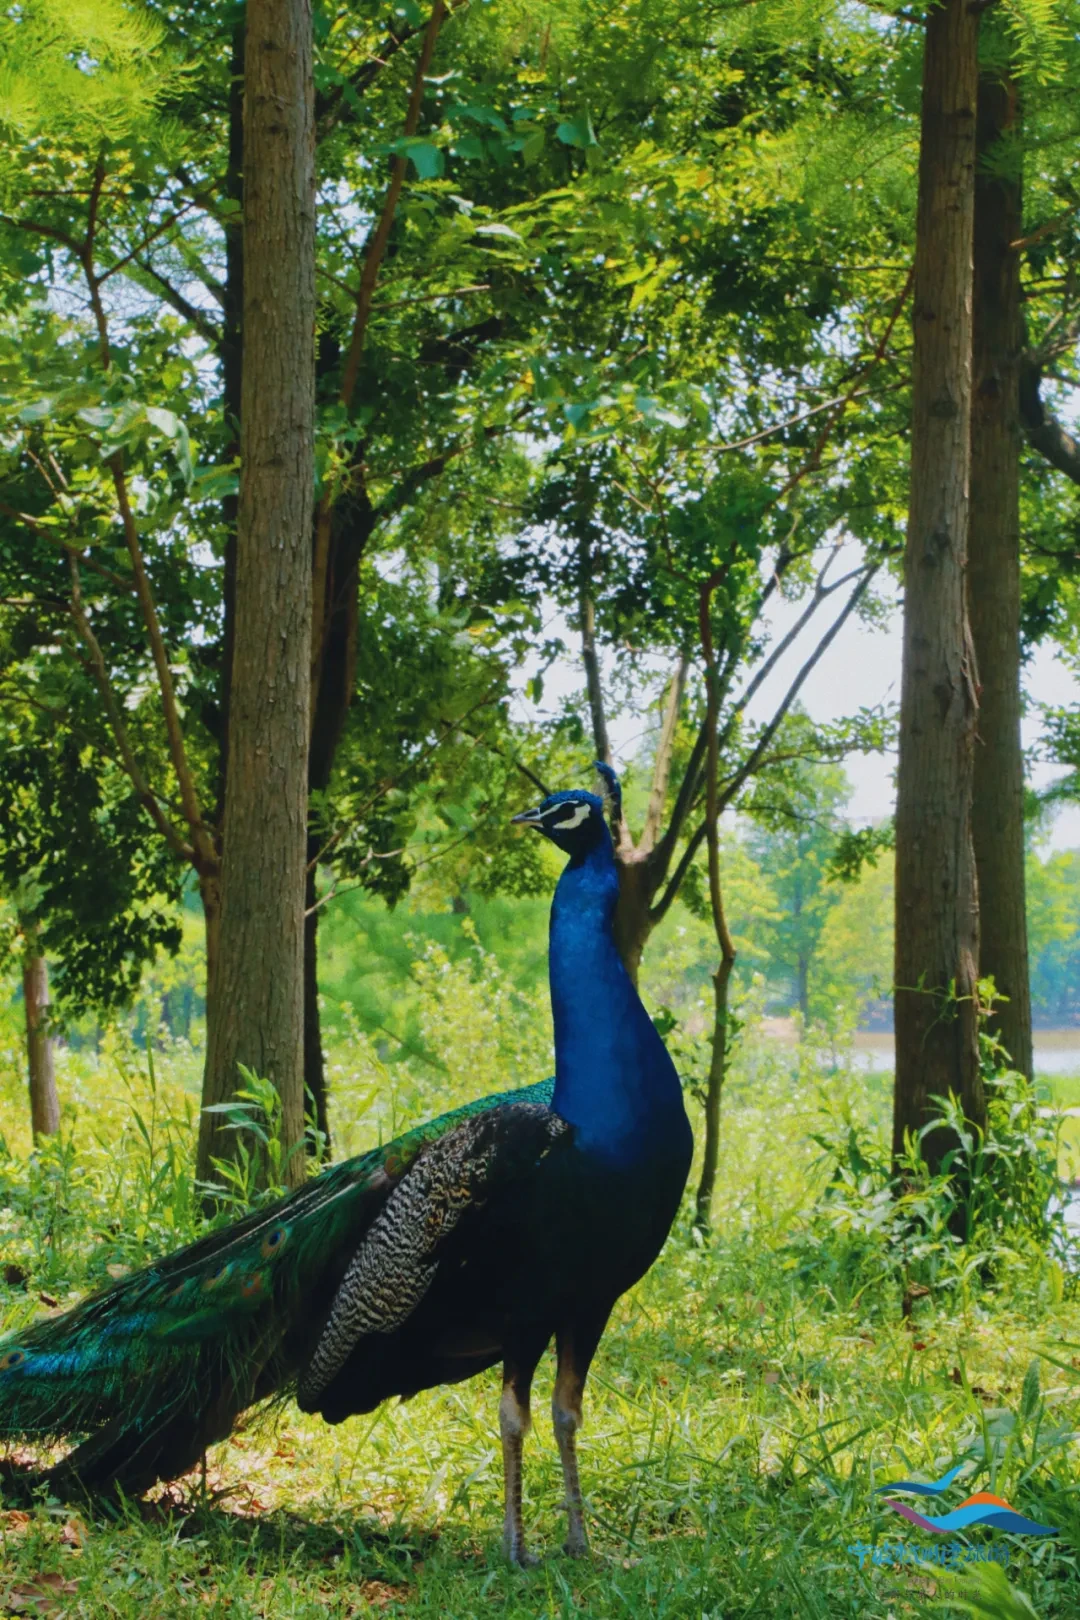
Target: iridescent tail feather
[{"x": 143, "y": 1376}]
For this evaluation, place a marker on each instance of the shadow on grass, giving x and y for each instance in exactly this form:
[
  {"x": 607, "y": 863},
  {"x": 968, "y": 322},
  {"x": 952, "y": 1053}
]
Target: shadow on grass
[{"x": 225, "y": 1524}]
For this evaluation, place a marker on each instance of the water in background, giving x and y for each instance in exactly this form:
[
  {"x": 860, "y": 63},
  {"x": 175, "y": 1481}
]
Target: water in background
[{"x": 1058, "y": 1054}]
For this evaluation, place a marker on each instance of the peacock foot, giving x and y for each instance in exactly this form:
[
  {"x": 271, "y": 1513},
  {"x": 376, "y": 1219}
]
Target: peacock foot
[
  {"x": 517, "y": 1553},
  {"x": 576, "y": 1544}
]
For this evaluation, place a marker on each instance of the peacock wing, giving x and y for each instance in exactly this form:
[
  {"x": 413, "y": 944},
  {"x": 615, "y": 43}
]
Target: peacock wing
[
  {"x": 188, "y": 1342},
  {"x": 394, "y": 1266}
]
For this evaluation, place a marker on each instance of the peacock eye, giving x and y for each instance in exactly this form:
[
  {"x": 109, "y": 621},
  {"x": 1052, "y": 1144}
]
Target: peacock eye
[
  {"x": 273, "y": 1240},
  {"x": 252, "y": 1285},
  {"x": 218, "y": 1276},
  {"x": 13, "y": 1358}
]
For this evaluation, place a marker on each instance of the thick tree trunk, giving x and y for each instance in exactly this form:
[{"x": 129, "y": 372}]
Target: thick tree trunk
[
  {"x": 40, "y": 1054},
  {"x": 997, "y": 820},
  {"x": 937, "y": 920},
  {"x": 633, "y": 925},
  {"x": 258, "y": 984}
]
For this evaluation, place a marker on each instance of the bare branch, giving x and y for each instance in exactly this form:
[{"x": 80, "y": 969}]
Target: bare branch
[
  {"x": 758, "y": 754},
  {"x": 750, "y": 764}
]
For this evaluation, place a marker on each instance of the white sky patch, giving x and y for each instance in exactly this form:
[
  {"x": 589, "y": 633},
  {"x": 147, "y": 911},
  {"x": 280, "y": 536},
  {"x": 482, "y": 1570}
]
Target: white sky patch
[{"x": 860, "y": 670}]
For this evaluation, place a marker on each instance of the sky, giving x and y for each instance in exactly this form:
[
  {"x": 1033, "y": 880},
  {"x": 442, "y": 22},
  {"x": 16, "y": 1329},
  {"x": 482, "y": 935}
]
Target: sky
[{"x": 859, "y": 670}]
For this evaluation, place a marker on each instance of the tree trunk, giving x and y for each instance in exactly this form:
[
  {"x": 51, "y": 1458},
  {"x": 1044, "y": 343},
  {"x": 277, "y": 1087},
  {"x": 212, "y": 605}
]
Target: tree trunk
[
  {"x": 232, "y": 372},
  {"x": 314, "y": 1061},
  {"x": 802, "y": 982},
  {"x": 334, "y": 675},
  {"x": 937, "y": 922},
  {"x": 710, "y": 1156},
  {"x": 40, "y": 1055},
  {"x": 258, "y": 989},
  {"x": 997, "y": 819},
  {"x": 633, "y": 924}
]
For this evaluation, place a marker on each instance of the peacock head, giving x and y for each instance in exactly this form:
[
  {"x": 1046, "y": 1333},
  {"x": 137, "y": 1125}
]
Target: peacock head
[{"x": 574, "y": 820}]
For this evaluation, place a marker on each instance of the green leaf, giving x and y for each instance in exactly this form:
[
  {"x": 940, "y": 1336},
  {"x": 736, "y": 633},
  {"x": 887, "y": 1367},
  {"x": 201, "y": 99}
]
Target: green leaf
[
  {"x": 427, "y": 160},
  {"x": 577, "y": 132},
  {"x": 532, "y": 146},
  {"x": 498, "y": 229}
]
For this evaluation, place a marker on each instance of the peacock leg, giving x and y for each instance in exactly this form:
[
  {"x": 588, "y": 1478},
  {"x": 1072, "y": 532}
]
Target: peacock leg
[
  {"x": 576, "y": 1347},
  {"x": 514, "y": 1421}
]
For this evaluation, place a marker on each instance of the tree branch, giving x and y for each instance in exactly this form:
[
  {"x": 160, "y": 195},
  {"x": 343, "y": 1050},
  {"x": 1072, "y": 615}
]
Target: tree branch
[
  {"x": 754, "y": 759},
  {"x": 665, "y": 748},
  {"x": 750, "y": 764},
  {"x": 381, "y": 236},
  {"x": 195, "y": 317},
  {"x": 119, "y": 730},
  {"x": 204, "y": 854},
  {"x": 1044, "y": 432},
  {"x": 364, "y": 293}
]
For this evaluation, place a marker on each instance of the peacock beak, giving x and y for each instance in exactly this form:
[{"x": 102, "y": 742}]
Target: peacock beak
[{"x": 528, "y": 818}]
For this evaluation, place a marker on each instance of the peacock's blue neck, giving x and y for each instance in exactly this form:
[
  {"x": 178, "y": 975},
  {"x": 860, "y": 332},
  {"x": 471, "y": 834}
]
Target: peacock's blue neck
[{"x": 614, "y": 1080}]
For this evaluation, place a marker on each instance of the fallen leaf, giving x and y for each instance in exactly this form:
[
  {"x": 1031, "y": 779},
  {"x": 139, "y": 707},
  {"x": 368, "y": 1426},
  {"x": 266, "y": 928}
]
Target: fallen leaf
[
  {"x": 379, "y": 1593},
  {"x": 772, "y": 1377},
  {"x": 117, "y": 1270},
  {"x": 50, "y": 1300},
  {"x": 43, "y": 1595}
]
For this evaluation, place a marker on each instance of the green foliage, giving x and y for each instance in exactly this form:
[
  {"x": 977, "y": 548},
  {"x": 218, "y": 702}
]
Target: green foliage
[
  {"x": 257, "y": 1172},
  {"x": 874, "y": 1232},
  {"x": 737, "y": 1422}
]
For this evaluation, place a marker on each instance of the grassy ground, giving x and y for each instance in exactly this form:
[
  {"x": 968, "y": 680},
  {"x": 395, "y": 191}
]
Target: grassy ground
[{"x": 749, "y": 1397}]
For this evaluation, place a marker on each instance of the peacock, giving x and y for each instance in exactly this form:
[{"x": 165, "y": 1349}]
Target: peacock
[{"x": 472, "y": 1240}]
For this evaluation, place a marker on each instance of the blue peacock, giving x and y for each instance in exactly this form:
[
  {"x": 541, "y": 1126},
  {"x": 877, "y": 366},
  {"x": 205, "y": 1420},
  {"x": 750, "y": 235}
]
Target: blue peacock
[{"x": 472, "y": 1240}]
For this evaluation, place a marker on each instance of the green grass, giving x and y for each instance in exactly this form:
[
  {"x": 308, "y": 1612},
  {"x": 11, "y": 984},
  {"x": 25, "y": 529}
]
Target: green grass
[{"x": 741, "y": 1412}]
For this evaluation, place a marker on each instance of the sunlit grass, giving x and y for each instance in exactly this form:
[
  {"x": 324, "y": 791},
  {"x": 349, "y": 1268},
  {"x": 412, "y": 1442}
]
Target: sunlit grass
[{"x": 738, "y": 1419}]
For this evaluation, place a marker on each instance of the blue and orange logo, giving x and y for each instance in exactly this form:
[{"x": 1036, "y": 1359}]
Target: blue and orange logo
[{"x": 984, "y": 1508}]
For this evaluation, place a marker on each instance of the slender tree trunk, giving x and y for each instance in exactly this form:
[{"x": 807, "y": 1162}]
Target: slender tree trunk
[
  {"x": 40, "y": 1053},
  {"x": 722, "y": 977},
  {"x": 997, "y": 820},
  {"x": 802, "y": 971},
  {"x": 710, "y": 1154},
  {"x": 352, "y": 524},
  {"x": 314, "y": 1060},
  {"x": 232, "y": 371},
  {"x": 936, "y": 897},
  {"x": 258, "y": 988}
]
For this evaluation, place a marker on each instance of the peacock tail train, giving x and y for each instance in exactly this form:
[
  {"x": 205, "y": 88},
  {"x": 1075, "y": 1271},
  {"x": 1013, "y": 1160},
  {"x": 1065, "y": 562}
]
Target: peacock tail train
[{"x": 144, "y": 1375}]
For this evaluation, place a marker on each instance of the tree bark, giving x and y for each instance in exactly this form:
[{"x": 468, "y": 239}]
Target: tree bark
[
  {"x": 937, "y": 920},
  {"x": 710, "y": 1157},
  {"x": 259, "y": 979},
  {"x": 232, "y": 372},
  {"x": 315, "y": 1092},
  {"x": 710, "y": 1153},
  {"x": 40, "y": 1053},
  {"x": 997, "y": 820}
]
